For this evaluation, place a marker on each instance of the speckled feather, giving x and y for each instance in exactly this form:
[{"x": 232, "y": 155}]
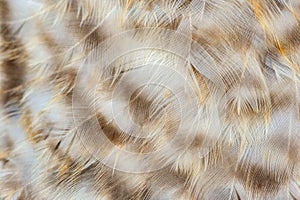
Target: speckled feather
[{"x": 239, "y": 140}]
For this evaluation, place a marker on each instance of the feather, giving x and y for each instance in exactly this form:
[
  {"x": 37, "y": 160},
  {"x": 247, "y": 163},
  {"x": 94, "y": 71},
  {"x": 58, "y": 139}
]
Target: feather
[{"x": 157, "y": 99}]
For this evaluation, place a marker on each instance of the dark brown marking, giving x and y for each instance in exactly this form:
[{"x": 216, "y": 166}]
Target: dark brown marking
[
  {"x": 14, "y": 64},
  {"x": 260, "y": 180}
]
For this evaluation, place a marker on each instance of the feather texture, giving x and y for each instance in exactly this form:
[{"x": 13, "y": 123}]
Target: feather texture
[{"x": 149, "y": 99}]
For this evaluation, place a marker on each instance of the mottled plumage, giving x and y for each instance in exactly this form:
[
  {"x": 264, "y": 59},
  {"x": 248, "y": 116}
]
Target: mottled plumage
[{"x": 149, "y": 99}]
